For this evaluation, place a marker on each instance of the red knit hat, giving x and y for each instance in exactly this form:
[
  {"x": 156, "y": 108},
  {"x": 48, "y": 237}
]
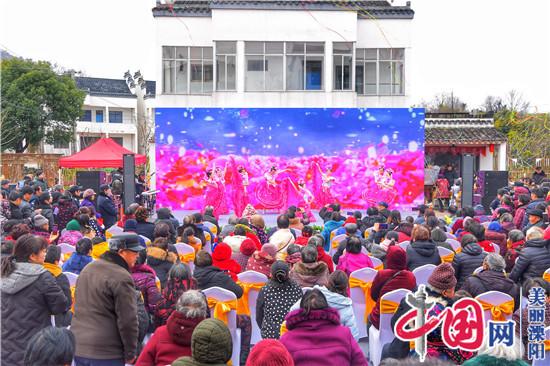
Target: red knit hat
[
  {"x": 350, "y": 220},
  {"x": 443, "y": 277},
  {"x": 269, "y": 352},
  {"x": 247, "y": 247}
]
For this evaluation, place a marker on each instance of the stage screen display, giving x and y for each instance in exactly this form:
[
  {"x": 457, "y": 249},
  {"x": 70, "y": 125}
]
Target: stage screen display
[{"x": 276, "y": 157}]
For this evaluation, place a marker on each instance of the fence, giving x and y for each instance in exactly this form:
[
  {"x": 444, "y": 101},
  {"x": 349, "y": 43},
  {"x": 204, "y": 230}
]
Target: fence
[
  {"x": 516, "y": 172},
  {"x": 15, "y": 166}
]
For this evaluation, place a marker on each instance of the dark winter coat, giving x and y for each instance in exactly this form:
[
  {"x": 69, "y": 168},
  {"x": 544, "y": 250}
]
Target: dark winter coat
[
  {"x": 105, "y": 323},
  {"x": 107, "y": 209},
  {"x": 66, "y": 212},
  {"x": 30, "y": 295},
  {"x": 161, "y": 261},
  {"x": 466, "y": 262},
  {"x": 420, "y": 253},
  {"x": 533, "y": 260},
  {"x": 211, "y": 276},
  {"x": 274, "y": 302},
  {"x": 310, "y": 274},
  {"x": 63, "y": 319},
  {"x": 47, "y": 211},
  {"x": 530, "y": 206},
  {"x": 145, "y": 280},
  {"x": 146, "y": 229},
  {"x": 169, "y": 341},
  {"x": 26, "y": 209},
  {"x": 492, "y": 281},
  {"x": 520, "y": 216},
  {"x": 42, "y": 183}
]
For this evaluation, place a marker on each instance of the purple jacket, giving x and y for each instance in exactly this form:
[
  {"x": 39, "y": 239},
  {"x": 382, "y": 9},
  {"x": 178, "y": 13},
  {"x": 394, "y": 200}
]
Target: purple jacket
[
  {"x": 350, "y": 262},
  {"x": 319, "y": 339},
  {"x": 87, "y": 203},
  {"x": 145, "y": 280}
]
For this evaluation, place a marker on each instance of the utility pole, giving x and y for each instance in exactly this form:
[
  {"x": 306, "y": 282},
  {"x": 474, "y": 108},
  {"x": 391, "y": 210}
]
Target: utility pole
[{"x": 137, "y": 86}]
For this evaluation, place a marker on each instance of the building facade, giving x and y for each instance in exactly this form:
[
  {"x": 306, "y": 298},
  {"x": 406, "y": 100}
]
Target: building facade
[
  {"x": 271, "y": 53},
  {"x": 109, "y": 110}
]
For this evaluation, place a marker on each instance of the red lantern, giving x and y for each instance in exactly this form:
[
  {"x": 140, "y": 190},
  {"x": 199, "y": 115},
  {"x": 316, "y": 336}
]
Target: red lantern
[{"x": 492, "y": 148}]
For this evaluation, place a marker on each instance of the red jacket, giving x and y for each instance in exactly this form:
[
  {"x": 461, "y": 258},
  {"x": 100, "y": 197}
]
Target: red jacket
[
  {"x": 255, "y": 239},
  {"x": 402, "y": 237},
  {"x": 301, "y": 240},
  {"x": 169, "y": 342},
  {"x": 497, "y": 238},
  {"x": 486, "y": 246},
  {"x": 322, "y": 256},
  {"x": 221, "y": 258}
]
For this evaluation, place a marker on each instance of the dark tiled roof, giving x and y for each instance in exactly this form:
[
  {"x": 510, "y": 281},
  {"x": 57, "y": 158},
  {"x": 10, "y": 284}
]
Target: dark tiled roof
[
  {"x": 379, "y": 9},
  {"x": 462, "y": 132},
  {"x": 111, "y": 87}
]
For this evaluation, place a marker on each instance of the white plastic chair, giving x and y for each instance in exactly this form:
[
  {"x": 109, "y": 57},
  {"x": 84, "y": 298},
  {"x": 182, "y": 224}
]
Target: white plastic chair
[
  {"x": 183, "y": 249},
  {"x": 444, "y": 252},
  {"x": 478, "y": 270},
  {"x": 422, "y": 274},
  {"x": 379, "y": 337},
  {"x": 337, "y": 239},
  {"x": 298, "y": 232},
  {"x": 115, "y": 230},
  {"x": 546, "y": 354},
  {"x": 376, "y": 262},
  {"x": 72, "y": 277},
  {"x": 66, "y": 248},
  {"x": 213, "y": 229},
  {"x": 523, "y": 304},
  {"x": 455, "y": 244},
  {"x": 496, "y": 248},
  {"x": 358, "y": 298},
  {"x": 404, "y": 244},
  {"x": 221, "y": 294},
  {"x": 494, "y": 298},
  {"x": 253, "y": 277}
]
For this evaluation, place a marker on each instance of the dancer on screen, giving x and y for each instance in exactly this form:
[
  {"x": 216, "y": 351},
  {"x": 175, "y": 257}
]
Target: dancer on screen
[
  {"x": 322, "y": 183},
  {"x": 239, "y": 183},
  {"x": 270, "y": 193},
  {"x": 305, "y": 200},
  {"x": 215, "y": 191}
]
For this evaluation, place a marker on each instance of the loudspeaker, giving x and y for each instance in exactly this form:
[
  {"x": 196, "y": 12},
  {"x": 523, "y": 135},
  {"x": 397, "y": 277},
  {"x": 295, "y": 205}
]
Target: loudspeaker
[
  {"x": 467, "y": 174},
  {"x": 91, "y": 180},
  {"x": 489, "y": 183},
  {"x": 129, "y": 179}
]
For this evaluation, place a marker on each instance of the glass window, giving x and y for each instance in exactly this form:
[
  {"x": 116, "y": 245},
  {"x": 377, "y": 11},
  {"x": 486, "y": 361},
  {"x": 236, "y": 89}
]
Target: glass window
[
  {"x": 226, "y": 56},
  {"x": 86, "y": 116},
  {"x": 99, "y": 116},
  {"x": 342, "y": 48},
  {"x": 359, "y": 78},
  {"x": 179, "y": 73},
  {"x": 295, "y": 72},
  {"x": 383, "y": 71},
  {"x": 264, "y": 66},
  {"x": 86, "y": 141},
  {"x": 295, "y": 47},
  {"x": 304, "y": 65},
  {"x": 343, "y": 58},
  {"x": 115, "y": 117}
]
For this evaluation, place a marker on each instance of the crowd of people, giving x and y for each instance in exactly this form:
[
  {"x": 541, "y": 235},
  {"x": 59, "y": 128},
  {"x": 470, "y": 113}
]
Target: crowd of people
[{"x": 136, "y": 300}]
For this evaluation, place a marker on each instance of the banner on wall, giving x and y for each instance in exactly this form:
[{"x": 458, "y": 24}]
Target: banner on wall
[{"x": 274, "y": 158}]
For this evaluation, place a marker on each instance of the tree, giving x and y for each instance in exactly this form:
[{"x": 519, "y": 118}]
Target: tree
[
  {"x": 445, "y": 103},
  {"x": 38, "y": 105}
]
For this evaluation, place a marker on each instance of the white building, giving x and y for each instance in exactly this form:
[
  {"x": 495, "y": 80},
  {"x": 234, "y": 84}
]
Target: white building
[
  {"x": 272, "y": 53},
  {"x": 109, "y": 110}
]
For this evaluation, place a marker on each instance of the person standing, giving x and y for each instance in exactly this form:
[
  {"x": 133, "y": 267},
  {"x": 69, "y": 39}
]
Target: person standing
[
  {"x": 106, "y": 206},
  {"x": 40, "y": 180},
  {"x": 105, "y": 322},
  {"x": 538, "y": 175}
]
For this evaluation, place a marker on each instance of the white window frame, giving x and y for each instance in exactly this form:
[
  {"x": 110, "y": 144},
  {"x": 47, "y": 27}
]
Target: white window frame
[
  {"x": 188, "y": 61},
  {"x": 225, "y": 56},
  {"x": 378, "y": 60},
  {"x": 342, "y": 56}
]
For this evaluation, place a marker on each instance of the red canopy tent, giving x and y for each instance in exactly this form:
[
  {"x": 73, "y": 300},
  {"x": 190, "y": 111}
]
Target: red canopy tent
[{"x": 104, "y": 153}]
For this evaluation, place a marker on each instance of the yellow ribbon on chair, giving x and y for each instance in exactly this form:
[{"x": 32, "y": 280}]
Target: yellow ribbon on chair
[
  {"x": 335, "y": 244},
  {"x": 108, "y": 235},
  {"x": 546, "y": 277},
  {"x": 366, "y": 287},
  {"x": 388, "y": 306},
  {"x": 458, "y": 250},
  {"x": 547, "y": 345},
  {"x": 73, "y": 288},
  {"x": 242, "y": 302},
  {"x": 498, "y": 312},
  {"x": 448, "y": 258},
  {"x": 379, "y": 267},
  {"x": 222, "y": 308},
  {"x": 187, "y": 258},
  {"x": 283, "y": 329},
  {"x": 66, "y": 257}
]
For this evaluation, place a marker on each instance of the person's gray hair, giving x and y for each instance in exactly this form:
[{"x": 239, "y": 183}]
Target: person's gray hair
[
  {"x": 350, "y": 228},
  {"x": 506, "y": 217},
  {"x": 495, "y": 262},
  {"x": 309, "y": 254},
  {"x": 516, "y": 235},
  {"x": 502, "y": 351},
  {"x": 316, "y": 241},
  {"x": 233, "y": 220},
  {"x": 535, "y": 233},
  {"x": 192, "y": 304}
]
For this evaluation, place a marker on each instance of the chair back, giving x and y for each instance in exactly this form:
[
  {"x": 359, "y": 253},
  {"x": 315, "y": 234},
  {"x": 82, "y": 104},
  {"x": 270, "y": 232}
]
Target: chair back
[
  {"x": 113, "y": 230},
  {"x": 386, "y": 331},
  {"x": 478, "y": 270},
  {"x": 455, "y": 244},
  {"x": 422, "y": 274},
  {"x": 298, "y": 232},
  {"x": 220, "y": 294},
  {"x": 306, "y": 289},
  {"x": 446, "y": 255},
  {"x": 358, "y": 299},
  {"x": 253, "y": 277},
  {"x": 496, "y": 299},
  {"x": 335, "y": 242},
  {"x": 66, "y": 248},
  {"x": 146, "y": 240},
  {"x": 72, "y": 277},
  {"x": 496, "y": 248},
  {"x": 404, "y": 244},
  {"x": 368, "y": 232},
  {"x": 186, "y": 250},
  {"x": 377, "y": 263},
  {"x": 546, "y": 275},
  {"x": 449, "y": 235},
  {"x": 213, "y": 229}
]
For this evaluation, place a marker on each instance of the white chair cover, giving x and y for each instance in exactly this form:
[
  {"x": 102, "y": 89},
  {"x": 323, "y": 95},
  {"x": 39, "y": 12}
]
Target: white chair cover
[
  {"x": 72, "y": 277},
  {"x": 444, "y": 251},
  {"x": 478, "y": 270},
  {"x": 298, "y": 232},
  {"x": 221, "y": 294},
  {"x": 422, "y": 274},
  {"x": 253, "y": 277},
  {"x": 455, "y": 244},
  {"x": 494, "y": 298},
  {"x": 306, "y": 289},
  {"x": 449, "y": 235},
  {"x": 337, "y": 239},
  {"x": 146, "y": 239},
  {"x": 66, "y": 248},
  {"x": 115, "y": 230},
  {"x": 546, "y": 274},
  {"x": 496, "y": 248},
  {"x": 524, "y": 303},
  {"x": 183, "y": 249},
  {"x": 358, "y": 298},
  {"x": 379, "y": 337},
  {"x": 211, "y": 227},
  {"x": 404, "y": 244},
  {"x": 375, "y": 261}
]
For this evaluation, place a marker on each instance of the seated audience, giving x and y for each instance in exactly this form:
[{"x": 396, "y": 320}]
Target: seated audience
[
  {"x": 307, "y": 232},
  {"x": 283, "y": 237},
  {"x": 440, "y": 239},
  {"x": 495, "y": 235},
  {"x": 207, "y": 275},
  {"x": 50, "y": 346},
  {"x": 221, "y": 258},
  {"x": 72, "y": 233},
  {"x": 422, "y": 250},
  {"x": 80, "y": 258},
  {"x": 534, "y": 257},
  {"x": 258, "y": 225},
  {"x": 262, "y": 260},
  {"x": 333, "y": 224},
  {"x": 245, "y": 252},
  {"x": 234, "y": 241},
  {"x": 310, "y": 271},
  {"x": 353, "y": 259},
  {"x": 179, "y": 281},
  {"x": 269, "y": 352},
  {"x": 145, "y": 279},
  {"x": 318, "y": 242},
  {"x": 160, "y": 259},
  {"x": 51, "y": 263},
  {"x": 144, "y": 227},
  {"x": 99, "y": 246},
  {"x": 470, "y": 258}
]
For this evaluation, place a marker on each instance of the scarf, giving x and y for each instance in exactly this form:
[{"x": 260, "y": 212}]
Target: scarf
[{"x": 54, "y": 269}]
